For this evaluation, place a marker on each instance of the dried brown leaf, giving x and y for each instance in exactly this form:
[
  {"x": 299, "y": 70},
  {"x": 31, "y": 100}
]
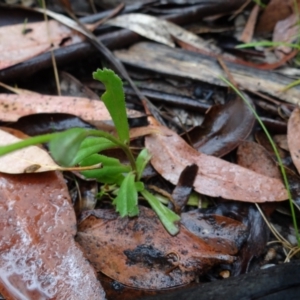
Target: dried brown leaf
[
  {"x": 216, "y": 177},
  {"x": 39, "y": 258}
]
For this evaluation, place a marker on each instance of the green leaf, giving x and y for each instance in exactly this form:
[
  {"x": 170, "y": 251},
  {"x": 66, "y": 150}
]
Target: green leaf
[
  {"x": 127, "y": 199},
  {"x": 167, "y": 216},
  {"x": 141, "y": 162},
  {"x": 98, "y": 158},
  {"x": 40, "y": 139},
  {"x": 114, "y": 100},
  {"x": 65, "y": 146},
  {"x": 109, "y": 175},
  {"x": 139, "y": 185},
  {"x": 90, "y": 146}
]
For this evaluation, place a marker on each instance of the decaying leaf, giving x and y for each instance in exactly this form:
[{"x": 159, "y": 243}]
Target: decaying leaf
[
  {"x": 223, "y": 129},
  {"x": 139, "y": 252},
  {"x": 39, "y": 258},
  {"x": 23, "y": 41},
  {"x": 12, "y": 107},
  {"x": 221, "y": 233},
  {"x": 27, "y": 160},
  {"x": 216, "y": 177},
  {"x": 294, "y": 137}
]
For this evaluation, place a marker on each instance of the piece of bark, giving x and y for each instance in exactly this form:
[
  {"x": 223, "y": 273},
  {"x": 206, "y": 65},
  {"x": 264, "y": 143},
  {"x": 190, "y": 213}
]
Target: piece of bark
[
  {"x": 275, "y": 283},
  {"x": 115, "y": 40},
  {"x": 182, "y": 63}
]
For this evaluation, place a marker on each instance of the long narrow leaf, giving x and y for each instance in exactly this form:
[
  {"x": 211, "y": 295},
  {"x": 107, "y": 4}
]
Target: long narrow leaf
[{"x": 114, "y": 100}]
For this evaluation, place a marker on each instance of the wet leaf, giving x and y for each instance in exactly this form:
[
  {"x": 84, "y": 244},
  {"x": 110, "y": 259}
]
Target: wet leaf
[
  {"x": 223, "y": 129},
  {"x": 27, "y": 160},
  {"x": 139, "y": 252},
  {"x": 223, "y": 234},
  {"x": 258, "y": 232},
  {"x": 216, "y": 177},
  {"x": 12, "y": 107},
  {"x": 294, "y": 137},
  {"x": 39, "y": 258}
]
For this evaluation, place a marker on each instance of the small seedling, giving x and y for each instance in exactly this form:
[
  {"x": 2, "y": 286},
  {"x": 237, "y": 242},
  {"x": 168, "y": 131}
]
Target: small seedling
[{"x": 81, "y": 147}]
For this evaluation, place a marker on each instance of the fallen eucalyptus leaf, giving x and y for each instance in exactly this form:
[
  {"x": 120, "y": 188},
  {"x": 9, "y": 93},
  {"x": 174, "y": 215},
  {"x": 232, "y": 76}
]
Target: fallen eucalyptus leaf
[
  {"x": 216, "y": 177},
  {"x": 39, "y": 258},
  {"x": 139, "y": 252}
]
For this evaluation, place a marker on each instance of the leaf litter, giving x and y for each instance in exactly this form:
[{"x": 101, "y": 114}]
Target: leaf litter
[
  {"x": 128, "y": 251},
  {"x": 165, "y": 264},
  {"x": 38, "y": 256},
  {"x": 216, "y": 177}
]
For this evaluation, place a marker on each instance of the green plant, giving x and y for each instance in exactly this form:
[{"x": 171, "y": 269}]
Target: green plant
[{"x": 81, "y": 147}]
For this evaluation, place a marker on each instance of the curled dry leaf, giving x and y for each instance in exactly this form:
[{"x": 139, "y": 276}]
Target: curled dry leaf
[
  {"x": 294, "y": 137},
  {"x": 12, "y": 107},
  {"x": 216, "y": 177},
  {"x": 139, "y": 252},
  {"x": 27, "y": 160},
  {"x": 23, "y": 41},
  {"x": 223, "y": 129},
  {"x": 39, "y": 258}
]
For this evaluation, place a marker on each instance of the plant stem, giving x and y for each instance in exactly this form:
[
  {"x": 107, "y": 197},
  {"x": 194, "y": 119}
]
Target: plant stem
[
  {"x": 28, "y": 142},
  {"x": 123, "y": 146}
]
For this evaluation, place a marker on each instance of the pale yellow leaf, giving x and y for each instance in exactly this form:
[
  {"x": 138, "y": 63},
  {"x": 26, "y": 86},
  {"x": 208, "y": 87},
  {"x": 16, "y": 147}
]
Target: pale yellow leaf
[{"x": 28, "y": 160}]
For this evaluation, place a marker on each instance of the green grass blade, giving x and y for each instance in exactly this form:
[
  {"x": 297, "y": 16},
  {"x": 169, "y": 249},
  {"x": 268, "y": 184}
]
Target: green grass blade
[{"x": 282, "y": 169}]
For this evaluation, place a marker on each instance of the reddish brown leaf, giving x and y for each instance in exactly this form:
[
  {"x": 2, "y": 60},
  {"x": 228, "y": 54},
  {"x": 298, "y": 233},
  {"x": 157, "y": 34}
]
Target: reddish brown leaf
[
  {"x": 255, "y": 157},
  {"x": 12, "y": 107},
  {"x": 294, "y": 137},
  {"x": 275, "y": 11},
  {"x": 221, "y": 233},
  {"x": 20, "y": 42},
  {"x": 139, "y": 252},
  {"x": 216, "y": 177},
  {"x": 39, "y": 258},
  {"x": 223, "y": 129}
]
